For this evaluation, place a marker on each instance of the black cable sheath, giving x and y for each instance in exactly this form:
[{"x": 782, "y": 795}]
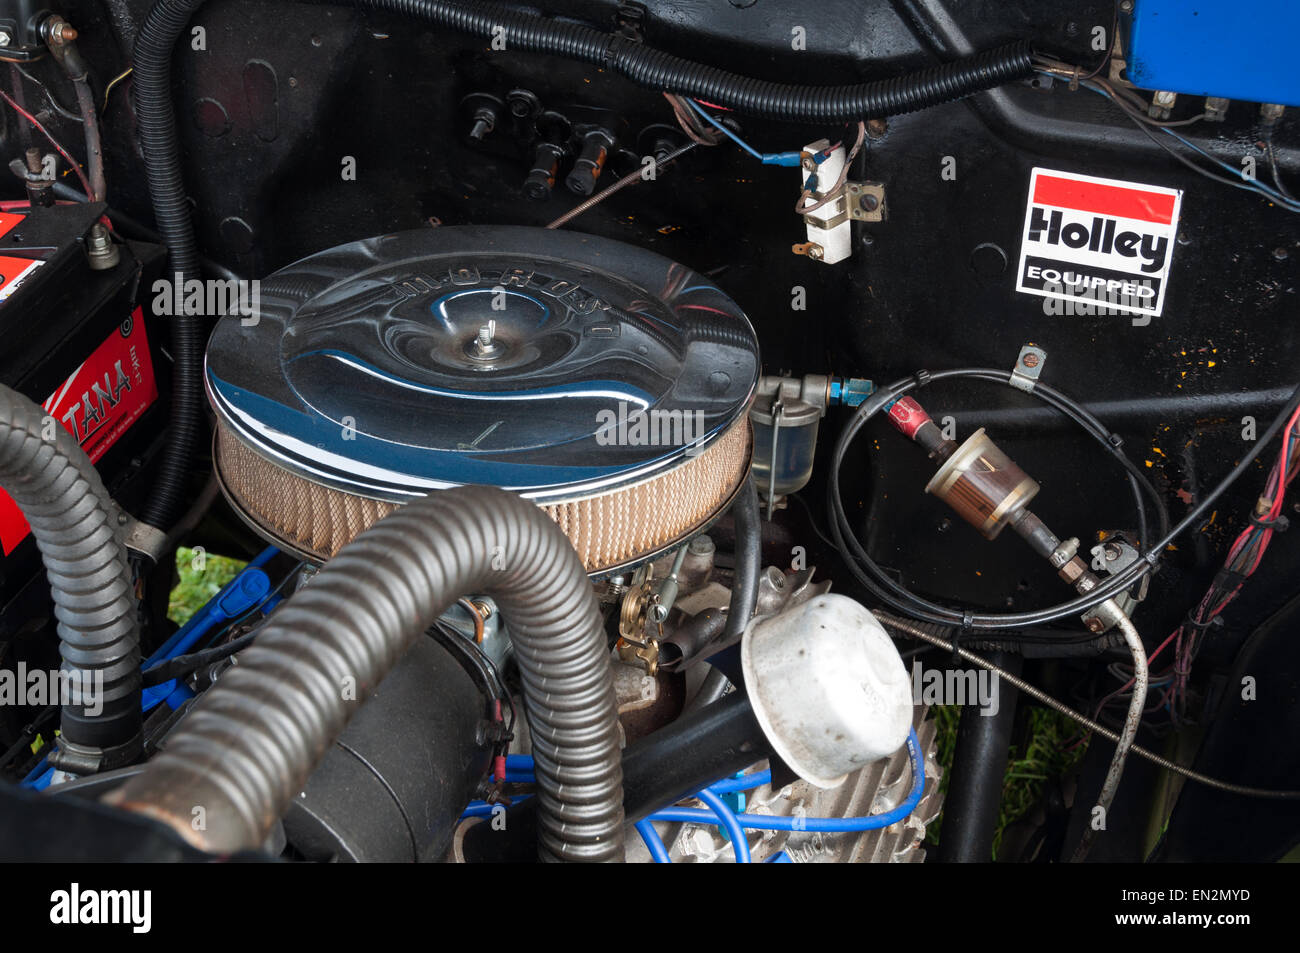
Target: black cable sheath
[
  {"x": 744, "y": 587},
  {"x": 156, "y": 123}
]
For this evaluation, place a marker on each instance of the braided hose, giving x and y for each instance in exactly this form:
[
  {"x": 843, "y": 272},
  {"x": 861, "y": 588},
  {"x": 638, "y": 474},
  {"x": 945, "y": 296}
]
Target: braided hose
[
  {"x": 250, "y": 743},
  {"x": 78, "y": 529}
]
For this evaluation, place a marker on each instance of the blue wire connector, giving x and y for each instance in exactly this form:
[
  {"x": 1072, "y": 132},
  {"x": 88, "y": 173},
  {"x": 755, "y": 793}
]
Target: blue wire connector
[{"x": 793, "y": 159}]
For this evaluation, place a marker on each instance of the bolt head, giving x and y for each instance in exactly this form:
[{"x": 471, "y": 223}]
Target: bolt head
[{"x": 5, "y": 38}]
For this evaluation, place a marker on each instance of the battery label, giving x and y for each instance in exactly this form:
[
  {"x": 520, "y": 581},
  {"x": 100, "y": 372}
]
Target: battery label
[
  {"x": 8, "y": 220},
  {"x": 1102, "y": 241},
  {"x": 13, "y": 272},
  {"x": 97, "y": 403}
]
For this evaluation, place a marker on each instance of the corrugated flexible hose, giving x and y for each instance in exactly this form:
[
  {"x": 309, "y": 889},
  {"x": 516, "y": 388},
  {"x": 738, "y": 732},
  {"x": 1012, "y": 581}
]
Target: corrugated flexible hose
[
  {"x": 79, "y": 532},
  {"x": 246, "y": 749}
]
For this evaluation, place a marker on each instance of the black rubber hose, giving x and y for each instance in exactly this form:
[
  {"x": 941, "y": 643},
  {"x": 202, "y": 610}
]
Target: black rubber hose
[
  {"x": 156, "y": 121},
  {"x": 979, "y": 765},
  {"x": 250, "y": 743},
  {"x": 78, "y": 529},
  {"x": 749, "y": 561},
  {"x": 744, "y": 587}
]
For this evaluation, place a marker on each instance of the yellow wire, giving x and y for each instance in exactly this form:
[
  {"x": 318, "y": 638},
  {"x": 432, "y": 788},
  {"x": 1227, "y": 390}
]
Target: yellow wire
[{"x": 114, "y": 81}]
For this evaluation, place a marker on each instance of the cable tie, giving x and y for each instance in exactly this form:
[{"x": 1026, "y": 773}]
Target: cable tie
[
  {"x": 616, "y": 40},
  {"x": 922, "y": 378},
  {"x": 967, "y": 626},
  {"x": 1278, "y": 525},
  {"x": 1213, "y": 621},
  {"x": 1115, "y": 440}
]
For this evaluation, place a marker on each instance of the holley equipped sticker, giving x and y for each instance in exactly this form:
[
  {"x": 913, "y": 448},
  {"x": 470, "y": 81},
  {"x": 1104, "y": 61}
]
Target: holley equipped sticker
[{"x": 1099, "y": 241}]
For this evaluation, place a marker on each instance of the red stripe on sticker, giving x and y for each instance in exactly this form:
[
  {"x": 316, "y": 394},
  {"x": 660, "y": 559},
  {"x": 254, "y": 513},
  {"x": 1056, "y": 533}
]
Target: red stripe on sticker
[{"x": 1110, "y": 200}]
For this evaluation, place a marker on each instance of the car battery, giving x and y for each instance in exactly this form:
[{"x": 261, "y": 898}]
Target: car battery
[{"x": 74, "y": 338}]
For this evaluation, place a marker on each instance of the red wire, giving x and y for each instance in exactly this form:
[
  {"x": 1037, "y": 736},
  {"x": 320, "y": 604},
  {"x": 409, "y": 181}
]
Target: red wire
[{"x": 54, "y": 142}]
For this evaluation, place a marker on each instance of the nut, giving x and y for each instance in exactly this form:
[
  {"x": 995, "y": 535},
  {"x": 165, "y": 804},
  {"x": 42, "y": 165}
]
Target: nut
[{"x": 1074, "y": 570}]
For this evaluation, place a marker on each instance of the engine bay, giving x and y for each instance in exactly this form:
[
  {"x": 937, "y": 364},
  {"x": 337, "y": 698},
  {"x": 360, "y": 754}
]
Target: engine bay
[{"x": 541, "y": 380}]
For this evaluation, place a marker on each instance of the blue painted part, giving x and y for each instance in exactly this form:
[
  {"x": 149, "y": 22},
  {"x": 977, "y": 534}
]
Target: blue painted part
[
  {"x": 734, "y": 799},
  {"x": 39, "y": 777},
  {"x": 1238, "y": 50},
  {"x": 851, "y": 391},
  {"x": 243, "y": 593}
]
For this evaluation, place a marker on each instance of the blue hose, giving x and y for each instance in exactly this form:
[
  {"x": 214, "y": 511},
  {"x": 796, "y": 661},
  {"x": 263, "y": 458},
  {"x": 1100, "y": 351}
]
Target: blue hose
[
  {"x": 825, "y": 825},
  {"x": 719, "y": 814},
  {"x": 739, "y": 842},
  {"x": 653, "y": 842}
]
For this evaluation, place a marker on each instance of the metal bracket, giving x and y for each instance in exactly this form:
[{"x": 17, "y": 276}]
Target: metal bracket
[
  {"x": 148, "y": 541},
  {"x": 865, "y": 200},
  {"x": 1028, "y": 366}
]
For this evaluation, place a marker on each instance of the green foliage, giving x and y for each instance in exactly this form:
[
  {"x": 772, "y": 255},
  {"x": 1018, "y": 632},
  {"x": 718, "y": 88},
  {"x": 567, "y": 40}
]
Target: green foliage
[
  {"x": 1043, "y": 756},
  {"x": 196, "y": 585}
]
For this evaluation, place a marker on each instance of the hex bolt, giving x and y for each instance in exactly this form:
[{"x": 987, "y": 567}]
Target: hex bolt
[{"x": 101, "y": 251}]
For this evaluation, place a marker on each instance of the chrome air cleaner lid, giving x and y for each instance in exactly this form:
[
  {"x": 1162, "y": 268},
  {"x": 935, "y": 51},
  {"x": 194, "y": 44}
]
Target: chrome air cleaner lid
[{"x": 561, "y": 366}]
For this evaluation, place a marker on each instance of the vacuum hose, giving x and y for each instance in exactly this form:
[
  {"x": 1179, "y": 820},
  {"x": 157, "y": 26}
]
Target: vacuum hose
[
  {"x": 78, "y": 529},
  {"x": 251, "y": 741},
  {"x": 524, "y": 31}
]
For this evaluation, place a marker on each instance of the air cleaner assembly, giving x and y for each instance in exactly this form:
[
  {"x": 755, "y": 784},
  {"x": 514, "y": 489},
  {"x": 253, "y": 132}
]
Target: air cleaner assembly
[{"x": 605, "y": 383}]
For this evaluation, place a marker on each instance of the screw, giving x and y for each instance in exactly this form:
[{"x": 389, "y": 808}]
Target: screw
[
  {"x": 1280, "y": 253},
  {"x": 486, "y": 333},
  {"x": 1127, "y": 6},
  {"x": 869, "y": 203},
  {"x": 5, "y": 38},
  {"x": 876, "y": 128},
  {"x": 1030, "y": 360}
]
